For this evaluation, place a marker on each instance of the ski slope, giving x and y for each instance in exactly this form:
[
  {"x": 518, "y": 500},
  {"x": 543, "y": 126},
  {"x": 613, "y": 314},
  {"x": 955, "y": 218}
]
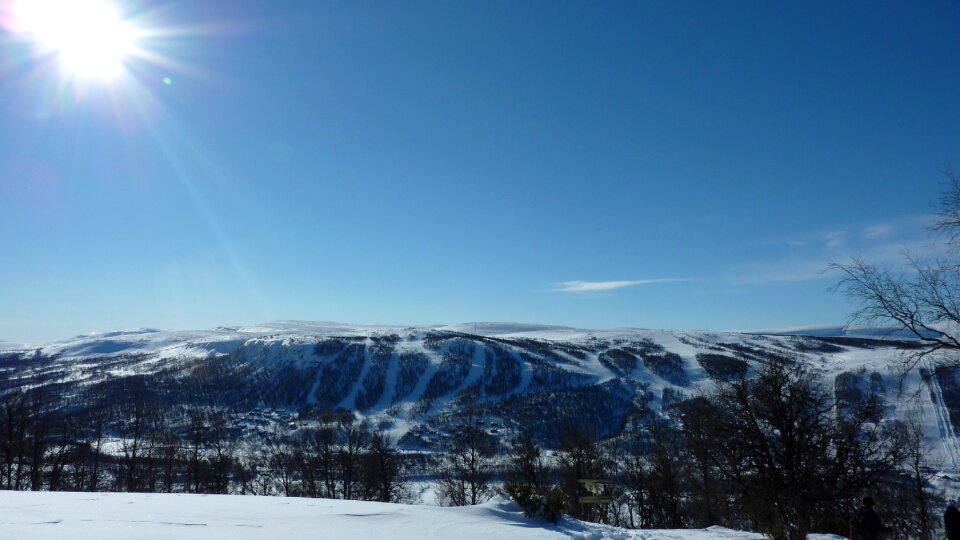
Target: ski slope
[
  {"x": 93, "y": 516},
  {"x": 280, "y": 367}
]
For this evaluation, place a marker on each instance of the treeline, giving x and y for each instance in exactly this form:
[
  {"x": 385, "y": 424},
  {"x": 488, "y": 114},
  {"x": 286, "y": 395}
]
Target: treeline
[
  {"x": 778, "y": 452},
  {"x": 123, "y": 437}
]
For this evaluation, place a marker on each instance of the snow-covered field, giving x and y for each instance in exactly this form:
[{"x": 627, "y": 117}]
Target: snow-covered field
[{"x": 87, "y": 516}]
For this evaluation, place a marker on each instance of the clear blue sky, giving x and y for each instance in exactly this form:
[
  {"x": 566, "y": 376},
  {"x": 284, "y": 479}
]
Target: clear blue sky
[{"x": 442, "y": 162}]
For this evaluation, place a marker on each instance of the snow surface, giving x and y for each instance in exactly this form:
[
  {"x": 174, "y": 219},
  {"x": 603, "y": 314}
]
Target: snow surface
[
  {"x": 11, "y": 346},
  {"x": 871, "y": 332},
  {"x": 223, "y": 339},
  {"x": 87, "y": 516}
]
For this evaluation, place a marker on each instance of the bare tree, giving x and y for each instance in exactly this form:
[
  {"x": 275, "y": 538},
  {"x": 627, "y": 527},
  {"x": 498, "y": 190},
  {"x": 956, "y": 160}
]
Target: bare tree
[
  {"x": 910, "y": 499},
  {"x": 709, "y": 503},
  {"x": 466, "y": 469},
  {"x": 381, "y": 470},
  {"x": 526, "y": 463},
  {"x": 196, "y": 440},
  {"x": 98, "y": 420},
  {"x": 223, "y": 449},
  {"x": 279, "y": 462},
  {"x": 949, "y": 209},
  {"x": 166, "y": 454},
  {"x": 792, "y": 459},
  {"x": 354, "y": 440},
  {"x": 39, "y": 404},
  {"x": 321, "y": 458},
  {"x": 580, "y": 458},
  {"x": 922, "y": 297},
  {"x": 133, "y": 427},
  {"x": 64, "y": 441},
  {"x": 246, "y": 470},
  {"x": 667, "y": 465},
  {"x": 14, "y": 430},
  {"x": 527, "y": 478}
]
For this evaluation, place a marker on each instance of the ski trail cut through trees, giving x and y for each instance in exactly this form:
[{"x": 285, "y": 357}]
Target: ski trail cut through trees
[
  {"x": 947, "y": 434},
  {"x": 474, "y": 375},
  {"x": 350, "y": 402},
  {"x": 390, "y": 385}
]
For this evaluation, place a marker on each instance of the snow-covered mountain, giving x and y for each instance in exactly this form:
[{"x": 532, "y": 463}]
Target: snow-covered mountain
[
  {"x": 415, "y": 378},
  {"x": 875, "y": 332},
  {"x": 11, "y": 346}
]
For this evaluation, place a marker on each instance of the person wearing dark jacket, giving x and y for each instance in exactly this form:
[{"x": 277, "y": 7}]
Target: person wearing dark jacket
[
  {"x": 866, "y": 524},
  {"x": 951, "y": 521}
]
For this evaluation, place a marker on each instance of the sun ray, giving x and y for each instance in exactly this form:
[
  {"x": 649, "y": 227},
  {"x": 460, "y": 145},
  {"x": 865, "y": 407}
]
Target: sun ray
[
  {"x": 90, "y": 55},
  {"x": 88, "y": 37}
]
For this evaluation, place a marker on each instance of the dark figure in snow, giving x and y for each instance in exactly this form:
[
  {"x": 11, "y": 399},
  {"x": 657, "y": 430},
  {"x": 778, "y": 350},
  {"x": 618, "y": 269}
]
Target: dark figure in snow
[
  {"x": 866, "y": 524},
  {"x": 951, "y": 521}
]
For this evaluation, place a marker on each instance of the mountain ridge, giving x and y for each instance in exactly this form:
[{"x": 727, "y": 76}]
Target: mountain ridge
[{"x": 417, "y": 379}]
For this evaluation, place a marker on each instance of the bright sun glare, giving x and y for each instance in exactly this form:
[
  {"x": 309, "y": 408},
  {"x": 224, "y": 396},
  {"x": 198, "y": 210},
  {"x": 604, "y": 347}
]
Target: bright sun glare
[{"x": 88, "y": 36}]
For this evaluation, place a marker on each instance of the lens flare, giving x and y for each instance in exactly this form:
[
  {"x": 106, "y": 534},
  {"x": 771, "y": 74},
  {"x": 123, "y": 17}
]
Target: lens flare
[{"x": 88, "y": 36}]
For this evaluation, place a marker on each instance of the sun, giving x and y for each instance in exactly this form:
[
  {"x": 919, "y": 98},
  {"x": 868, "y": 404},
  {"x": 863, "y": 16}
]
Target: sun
[{"x": 89, "y": 38}]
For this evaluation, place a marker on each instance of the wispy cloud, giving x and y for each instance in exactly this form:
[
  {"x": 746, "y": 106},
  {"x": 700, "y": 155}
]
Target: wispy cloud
[
  {"x": 603, "y": 286},
  {"x": 853, "y": 234},
  {"x": 806, "y": 257},
  {"x": 878, "y": 231},
  {"x": 813, "y": 263},
  {"x": 835, "y": 239}
]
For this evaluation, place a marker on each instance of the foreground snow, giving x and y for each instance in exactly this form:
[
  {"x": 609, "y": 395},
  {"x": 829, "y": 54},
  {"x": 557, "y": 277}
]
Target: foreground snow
[{"x": 83, "y": 516}]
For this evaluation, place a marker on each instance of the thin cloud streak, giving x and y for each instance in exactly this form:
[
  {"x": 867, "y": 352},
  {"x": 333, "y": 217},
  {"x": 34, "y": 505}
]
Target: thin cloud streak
[
  {"x": 878, "y": 231},
  {"x": 602, "y": 286},
  {"x": 808, "y": 257},
  {"x": 816, "y": 265},
  {"x": 853, "y": 232}
]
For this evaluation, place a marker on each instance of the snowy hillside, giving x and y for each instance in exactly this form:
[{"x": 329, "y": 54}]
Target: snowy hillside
[
  {"x": 415, "y": 378},
  {"x": 82, "y": 516},
  {"x": 10, "y": 346},
  {"x": 845, "y": 331}
]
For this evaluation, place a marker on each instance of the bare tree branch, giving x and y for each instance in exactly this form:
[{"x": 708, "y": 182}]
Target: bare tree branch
[
  {"x": 949, "y": 209},
  {"x": 924, "y": 297}
]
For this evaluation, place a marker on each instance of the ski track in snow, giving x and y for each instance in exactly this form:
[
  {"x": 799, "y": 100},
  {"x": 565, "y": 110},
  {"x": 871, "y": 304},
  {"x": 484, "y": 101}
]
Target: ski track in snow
[
  {"x": 491, "y": 359},
  {"x": 526, "y": 374},
  {"x": 432, "y": 367},
  {"x": 602, "y": 372},
  {"x": 312, "y": 395},
  {"x": 947, "y": 434},
  {"x": 349, "y": 403},
  {"x": 476, "y": 371},
  {"x": 390, "y": 384}
]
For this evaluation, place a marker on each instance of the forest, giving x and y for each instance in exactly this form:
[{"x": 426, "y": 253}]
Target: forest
[{"x": 779, "y": 452}]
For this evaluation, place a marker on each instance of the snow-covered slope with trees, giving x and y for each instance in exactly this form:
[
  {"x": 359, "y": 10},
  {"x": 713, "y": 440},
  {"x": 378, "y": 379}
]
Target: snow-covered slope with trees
[{"x": 415, "y": 378}]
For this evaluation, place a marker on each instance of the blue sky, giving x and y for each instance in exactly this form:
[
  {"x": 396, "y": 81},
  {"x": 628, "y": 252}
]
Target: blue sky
[{"x": 651, "y": 164}]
